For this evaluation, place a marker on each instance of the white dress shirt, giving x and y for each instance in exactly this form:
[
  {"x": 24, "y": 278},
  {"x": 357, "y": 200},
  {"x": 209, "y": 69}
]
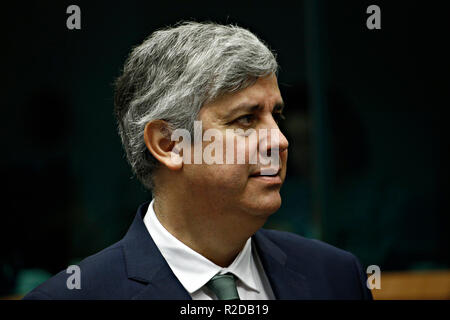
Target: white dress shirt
[{"x": 194, "y": 270}]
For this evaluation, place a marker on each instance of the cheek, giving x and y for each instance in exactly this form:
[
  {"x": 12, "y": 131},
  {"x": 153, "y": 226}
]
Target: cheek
[
  {"x": 216, "y": 178},
  {"x": 246, "y": 150}
]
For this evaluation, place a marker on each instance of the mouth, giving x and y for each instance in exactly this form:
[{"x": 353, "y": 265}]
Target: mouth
[
  {"x": 266, "y": 172},
  {"x": 267, "y": 175}
]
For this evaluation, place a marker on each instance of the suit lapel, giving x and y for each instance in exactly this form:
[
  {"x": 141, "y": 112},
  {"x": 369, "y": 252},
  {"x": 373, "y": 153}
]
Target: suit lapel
[
  {"x": 146, "y": 264},
  {"x": 163, "y": 286},
  {"x": 286, "y": 284}
]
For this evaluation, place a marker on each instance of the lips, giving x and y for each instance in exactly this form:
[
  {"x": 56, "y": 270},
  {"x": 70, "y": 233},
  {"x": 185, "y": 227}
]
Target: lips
[
  {"x": 266, "y": 172},
  {"x": 266, "y": 179}
]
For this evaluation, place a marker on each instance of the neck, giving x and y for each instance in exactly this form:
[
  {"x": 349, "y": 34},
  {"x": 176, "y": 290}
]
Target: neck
[{"x": 218, "y": 234}]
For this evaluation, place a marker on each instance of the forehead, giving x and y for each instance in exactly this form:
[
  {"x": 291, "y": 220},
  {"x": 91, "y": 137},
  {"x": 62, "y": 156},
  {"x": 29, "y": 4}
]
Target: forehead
[{"x": 264, "y": 92}]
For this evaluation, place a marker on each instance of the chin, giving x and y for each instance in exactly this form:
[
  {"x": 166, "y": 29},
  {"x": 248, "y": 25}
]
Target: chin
[{"x": 265, "y": 205}]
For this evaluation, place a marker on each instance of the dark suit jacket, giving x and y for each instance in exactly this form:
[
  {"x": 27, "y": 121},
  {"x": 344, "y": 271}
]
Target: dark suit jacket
[{"x": 133, "y": 268}]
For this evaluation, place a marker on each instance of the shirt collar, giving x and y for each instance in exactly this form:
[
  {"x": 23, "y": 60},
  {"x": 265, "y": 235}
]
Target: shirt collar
[{"x": 199, "y": 270}]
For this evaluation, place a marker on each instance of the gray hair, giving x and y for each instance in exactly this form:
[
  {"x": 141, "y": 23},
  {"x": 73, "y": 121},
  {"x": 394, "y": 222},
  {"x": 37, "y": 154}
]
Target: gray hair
[{"x": 174, "y": 72}]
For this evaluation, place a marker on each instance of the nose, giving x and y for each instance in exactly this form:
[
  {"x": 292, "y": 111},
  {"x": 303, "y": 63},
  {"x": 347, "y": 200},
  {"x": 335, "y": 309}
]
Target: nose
[
  {"x": 283, "y": 142},
  {"x": 279, "y": 144}
]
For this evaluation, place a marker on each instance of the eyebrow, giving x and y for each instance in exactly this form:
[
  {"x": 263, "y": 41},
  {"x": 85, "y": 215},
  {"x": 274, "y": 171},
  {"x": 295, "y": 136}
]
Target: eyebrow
[{"x": 250, "y": 108}]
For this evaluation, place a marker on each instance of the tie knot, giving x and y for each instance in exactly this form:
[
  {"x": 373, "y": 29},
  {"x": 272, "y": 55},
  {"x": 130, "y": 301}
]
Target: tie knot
[{"x": 224, "y": 286}]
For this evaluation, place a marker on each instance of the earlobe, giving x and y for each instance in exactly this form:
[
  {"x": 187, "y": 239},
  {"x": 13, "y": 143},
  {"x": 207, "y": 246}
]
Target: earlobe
[{"x": 157, "y": 136}]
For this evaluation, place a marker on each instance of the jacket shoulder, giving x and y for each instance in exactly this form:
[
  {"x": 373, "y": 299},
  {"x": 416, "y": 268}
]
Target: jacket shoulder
[
  {"x": 293, "y": 244},
  {"x": 332, "y": 270},
  {"x": 100, "y": 275}
]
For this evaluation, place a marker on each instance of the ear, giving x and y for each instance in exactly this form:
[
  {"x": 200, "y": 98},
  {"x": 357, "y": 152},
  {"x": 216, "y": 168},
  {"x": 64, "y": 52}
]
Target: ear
[{"x": 157, "y": 139}]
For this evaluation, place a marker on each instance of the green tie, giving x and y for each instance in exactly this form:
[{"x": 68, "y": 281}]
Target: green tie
[{"x": 224, "y": 286}]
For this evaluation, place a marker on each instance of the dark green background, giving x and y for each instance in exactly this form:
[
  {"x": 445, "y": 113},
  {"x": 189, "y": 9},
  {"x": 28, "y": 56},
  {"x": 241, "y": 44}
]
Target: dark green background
[{"x": 367, "y": 120}]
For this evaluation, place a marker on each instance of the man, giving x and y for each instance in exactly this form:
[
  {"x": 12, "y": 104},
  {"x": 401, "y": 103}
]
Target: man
[{"x": 200, "y": 237}]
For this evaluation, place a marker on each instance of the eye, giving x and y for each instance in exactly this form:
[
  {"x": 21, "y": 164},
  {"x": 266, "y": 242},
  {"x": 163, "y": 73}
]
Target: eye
[
  {"x": 246, "y": 120},
  {"x": 278, "y": 116}
]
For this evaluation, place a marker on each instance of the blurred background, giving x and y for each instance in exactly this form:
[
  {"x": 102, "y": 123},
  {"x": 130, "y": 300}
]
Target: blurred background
[{"x": 367, "y": 121}]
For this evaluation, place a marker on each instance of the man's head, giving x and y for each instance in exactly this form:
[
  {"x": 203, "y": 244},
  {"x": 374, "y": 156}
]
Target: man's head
[{"x": 203, "y": 72}]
